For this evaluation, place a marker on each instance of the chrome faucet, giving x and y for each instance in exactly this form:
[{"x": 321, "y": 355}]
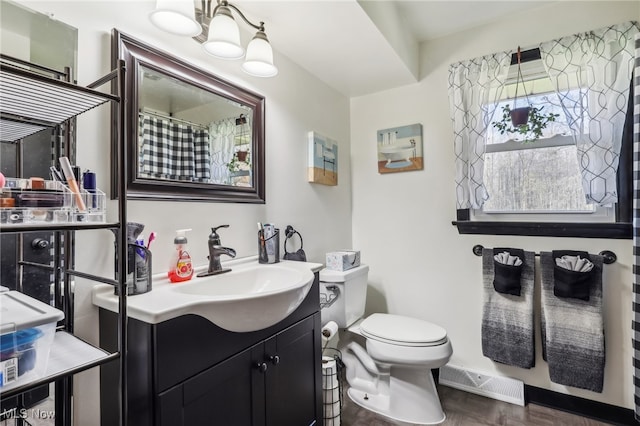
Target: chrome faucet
[{"x": 215, "y": 251}]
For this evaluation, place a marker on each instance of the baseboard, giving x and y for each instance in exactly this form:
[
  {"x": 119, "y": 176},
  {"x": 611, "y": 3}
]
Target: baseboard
[{"x": 580, "y": 406}]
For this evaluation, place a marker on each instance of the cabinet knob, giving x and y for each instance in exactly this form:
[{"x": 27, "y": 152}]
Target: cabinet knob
[
  {"x": 39, "y": 244},
  {"x": 262, "y": 367},
  {"x": 275, "y": 359}
]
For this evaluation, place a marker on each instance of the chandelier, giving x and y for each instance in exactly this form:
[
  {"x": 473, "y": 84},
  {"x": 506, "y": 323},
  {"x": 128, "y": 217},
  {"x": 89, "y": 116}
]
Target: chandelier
[{"x": 218, "y": 32}]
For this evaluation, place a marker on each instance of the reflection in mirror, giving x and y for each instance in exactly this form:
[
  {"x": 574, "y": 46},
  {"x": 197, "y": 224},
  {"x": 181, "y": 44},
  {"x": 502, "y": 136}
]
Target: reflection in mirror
[
  {"x": 187, "y": 134},
  {"x": 192, "y": 136}
]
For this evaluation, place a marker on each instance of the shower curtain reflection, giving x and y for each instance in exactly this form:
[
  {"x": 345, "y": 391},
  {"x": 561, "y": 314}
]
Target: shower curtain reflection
[{"x": 173, "y": 150}]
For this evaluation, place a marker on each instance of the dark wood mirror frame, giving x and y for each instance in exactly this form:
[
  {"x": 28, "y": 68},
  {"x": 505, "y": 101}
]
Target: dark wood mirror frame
[{"x": 136, "y": 54}]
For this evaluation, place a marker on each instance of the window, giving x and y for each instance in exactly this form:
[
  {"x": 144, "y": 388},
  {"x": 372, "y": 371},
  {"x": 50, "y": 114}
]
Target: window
[
  {"x": 537, "y": 180},
  {"x": 591, "y": 73}
]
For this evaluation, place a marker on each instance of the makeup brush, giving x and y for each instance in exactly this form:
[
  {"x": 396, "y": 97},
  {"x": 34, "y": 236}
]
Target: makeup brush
[{"x": 73, "y": 183}]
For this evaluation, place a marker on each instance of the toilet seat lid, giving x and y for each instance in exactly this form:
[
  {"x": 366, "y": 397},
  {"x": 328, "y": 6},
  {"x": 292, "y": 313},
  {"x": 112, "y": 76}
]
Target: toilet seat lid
[{"x": 401, "y": 330}]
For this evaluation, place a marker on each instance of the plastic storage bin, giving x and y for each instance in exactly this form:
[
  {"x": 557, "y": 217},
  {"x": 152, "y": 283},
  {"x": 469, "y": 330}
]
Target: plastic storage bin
[
  {"x": 51, "y": 202},
  {"x": 27, "y": 330}
]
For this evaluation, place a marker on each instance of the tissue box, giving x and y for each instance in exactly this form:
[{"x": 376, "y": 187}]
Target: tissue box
[
  {"x": 342, "y": 260},
  {"x": 27, "y": 330}
]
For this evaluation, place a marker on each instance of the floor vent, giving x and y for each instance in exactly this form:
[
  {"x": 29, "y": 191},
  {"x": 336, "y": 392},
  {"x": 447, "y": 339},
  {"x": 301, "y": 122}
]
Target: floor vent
[{"x": 496, "y": 387}]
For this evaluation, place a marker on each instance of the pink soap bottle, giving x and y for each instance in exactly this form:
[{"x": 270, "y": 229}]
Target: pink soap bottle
[{"x": 181, "y": 267}]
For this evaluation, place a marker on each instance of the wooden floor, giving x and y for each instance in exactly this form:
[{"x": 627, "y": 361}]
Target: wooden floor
[{"x": 463, "y": 408}]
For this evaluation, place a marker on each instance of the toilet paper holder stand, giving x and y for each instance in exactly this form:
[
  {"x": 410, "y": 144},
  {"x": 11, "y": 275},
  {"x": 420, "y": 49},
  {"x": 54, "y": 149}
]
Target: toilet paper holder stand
[{"x": 332, "y": 387}]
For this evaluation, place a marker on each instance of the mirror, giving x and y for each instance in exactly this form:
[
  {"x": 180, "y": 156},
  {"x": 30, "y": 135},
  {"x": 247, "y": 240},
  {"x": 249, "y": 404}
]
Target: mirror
[{"x": 190, "y": 135}]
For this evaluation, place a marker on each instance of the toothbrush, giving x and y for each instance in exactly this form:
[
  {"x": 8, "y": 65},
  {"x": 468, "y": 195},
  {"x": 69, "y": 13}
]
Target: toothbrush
[
  {"x": 152, "y": 236},
  {"x": 261, "y": 233},
  {"x": 263, "y": 250},
  {"x": 140, "y": 242}
]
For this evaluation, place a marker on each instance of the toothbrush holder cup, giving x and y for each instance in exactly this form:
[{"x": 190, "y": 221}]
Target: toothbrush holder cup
[
  {"x": 269, "y": 247},
  {"x": 139, "y": 270}
]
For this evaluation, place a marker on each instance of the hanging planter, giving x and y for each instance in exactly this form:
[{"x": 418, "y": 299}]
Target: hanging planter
[
  {"x": 527, "y": 121},
  {"x": 242, "y": 155},
  {"x": 519, "y": 116},
  {"x": 240, "y": 161}
]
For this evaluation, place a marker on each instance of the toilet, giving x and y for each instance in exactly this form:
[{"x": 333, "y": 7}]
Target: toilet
[{"x": 392, "y": 376}]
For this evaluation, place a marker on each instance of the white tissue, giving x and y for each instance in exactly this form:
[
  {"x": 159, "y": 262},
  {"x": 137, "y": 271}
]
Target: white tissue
[
  {"x": 329, "y": 330},
  {"x": 506, "y": 259},
  {"x": 574, "y": 263},
  {"x": 329, "y": 373},
  {"x": 332, "y": 414}
]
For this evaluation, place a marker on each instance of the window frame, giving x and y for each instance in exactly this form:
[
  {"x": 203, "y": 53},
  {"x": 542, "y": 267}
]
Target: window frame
[
  {"x": 620, "y": 229},
  {"x": 598, "y": 214}
]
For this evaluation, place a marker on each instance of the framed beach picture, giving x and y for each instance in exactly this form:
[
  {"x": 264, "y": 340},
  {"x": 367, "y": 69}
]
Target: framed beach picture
[
  {"x": 323, "y": 160},
  {"x": 400, "y": 149}
]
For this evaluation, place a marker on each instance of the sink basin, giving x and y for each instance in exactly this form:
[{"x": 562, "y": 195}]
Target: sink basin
[
  {"x": 245, "y": 283},
  {"x": 251, "y": 297}
]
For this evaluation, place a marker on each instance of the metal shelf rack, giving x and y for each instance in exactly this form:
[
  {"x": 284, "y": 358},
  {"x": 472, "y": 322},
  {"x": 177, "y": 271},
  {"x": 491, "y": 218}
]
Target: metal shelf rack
[{"x": 34, "y": 98}]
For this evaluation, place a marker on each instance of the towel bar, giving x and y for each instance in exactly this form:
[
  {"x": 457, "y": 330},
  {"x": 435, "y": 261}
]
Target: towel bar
[{"x": 609, "y": 257}]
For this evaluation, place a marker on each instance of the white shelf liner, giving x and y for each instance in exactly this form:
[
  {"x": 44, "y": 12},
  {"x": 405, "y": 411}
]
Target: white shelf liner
[{"x": 67, "y": 352}]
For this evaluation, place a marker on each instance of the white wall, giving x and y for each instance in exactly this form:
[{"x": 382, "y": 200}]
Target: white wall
[
  {"x": 296, "y": 103},
  {"x": 420, "y": 265}
]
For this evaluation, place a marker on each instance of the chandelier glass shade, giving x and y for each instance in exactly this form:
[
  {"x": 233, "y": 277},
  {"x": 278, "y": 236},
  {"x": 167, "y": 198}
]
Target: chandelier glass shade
[
  {"x": 259, "y": 58},
  {"x": 223, "y": 40},
  {"x": 176, "y": 17}
]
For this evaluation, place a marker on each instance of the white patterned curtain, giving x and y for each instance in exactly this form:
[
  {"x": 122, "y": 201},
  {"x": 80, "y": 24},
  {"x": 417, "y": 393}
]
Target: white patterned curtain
[
  {"x": 591, "y": 73},
  {"x": 222, "y": 143},
  {"x": 475, "y": 87}
]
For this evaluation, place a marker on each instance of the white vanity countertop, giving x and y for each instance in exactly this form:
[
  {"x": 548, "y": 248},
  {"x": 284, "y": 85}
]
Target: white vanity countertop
[{"x": 163, "y": 303}]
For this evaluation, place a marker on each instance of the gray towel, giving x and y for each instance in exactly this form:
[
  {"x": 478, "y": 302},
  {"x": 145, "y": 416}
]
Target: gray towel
[
  {"x": 507, "y": 320},
  {"x": 573, "y": 330}
]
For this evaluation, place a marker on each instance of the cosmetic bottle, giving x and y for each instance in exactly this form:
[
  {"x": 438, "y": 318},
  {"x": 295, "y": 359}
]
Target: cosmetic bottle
[{"x": 181, "y": 267}]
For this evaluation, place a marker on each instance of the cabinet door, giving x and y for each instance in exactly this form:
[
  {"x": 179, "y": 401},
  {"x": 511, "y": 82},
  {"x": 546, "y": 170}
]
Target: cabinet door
[
  {"x": 294, "y": 374},
  {"x": 231, "y": 393}
]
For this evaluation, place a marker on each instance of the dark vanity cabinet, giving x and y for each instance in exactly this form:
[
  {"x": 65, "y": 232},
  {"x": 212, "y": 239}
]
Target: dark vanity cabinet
[
  {"x": 270, "y": 383},
  {"x": 188, "y": 371}
]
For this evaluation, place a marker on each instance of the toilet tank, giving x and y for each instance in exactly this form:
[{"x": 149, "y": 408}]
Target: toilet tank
[{"x": 352, "y": 287}]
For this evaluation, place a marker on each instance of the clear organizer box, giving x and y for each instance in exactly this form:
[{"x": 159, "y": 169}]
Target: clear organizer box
[
  {"x": 55, "y": 203},
  {"x": 27, "y": 330}
]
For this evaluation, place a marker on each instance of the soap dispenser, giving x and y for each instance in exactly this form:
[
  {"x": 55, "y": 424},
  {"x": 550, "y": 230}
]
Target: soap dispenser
[{"x": 181, "y": 267}]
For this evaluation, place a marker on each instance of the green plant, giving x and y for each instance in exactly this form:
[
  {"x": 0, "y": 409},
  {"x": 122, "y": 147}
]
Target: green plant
[
  {"x": 532, "y": 129},
  {"x": 235, "y": 163}
]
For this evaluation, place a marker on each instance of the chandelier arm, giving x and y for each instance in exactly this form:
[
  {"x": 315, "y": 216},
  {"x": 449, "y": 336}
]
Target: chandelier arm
[
  {"x": 244, "y": 18},
  {"x": 206, "y": 8},
  {"x": 212, "y": 13}
]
